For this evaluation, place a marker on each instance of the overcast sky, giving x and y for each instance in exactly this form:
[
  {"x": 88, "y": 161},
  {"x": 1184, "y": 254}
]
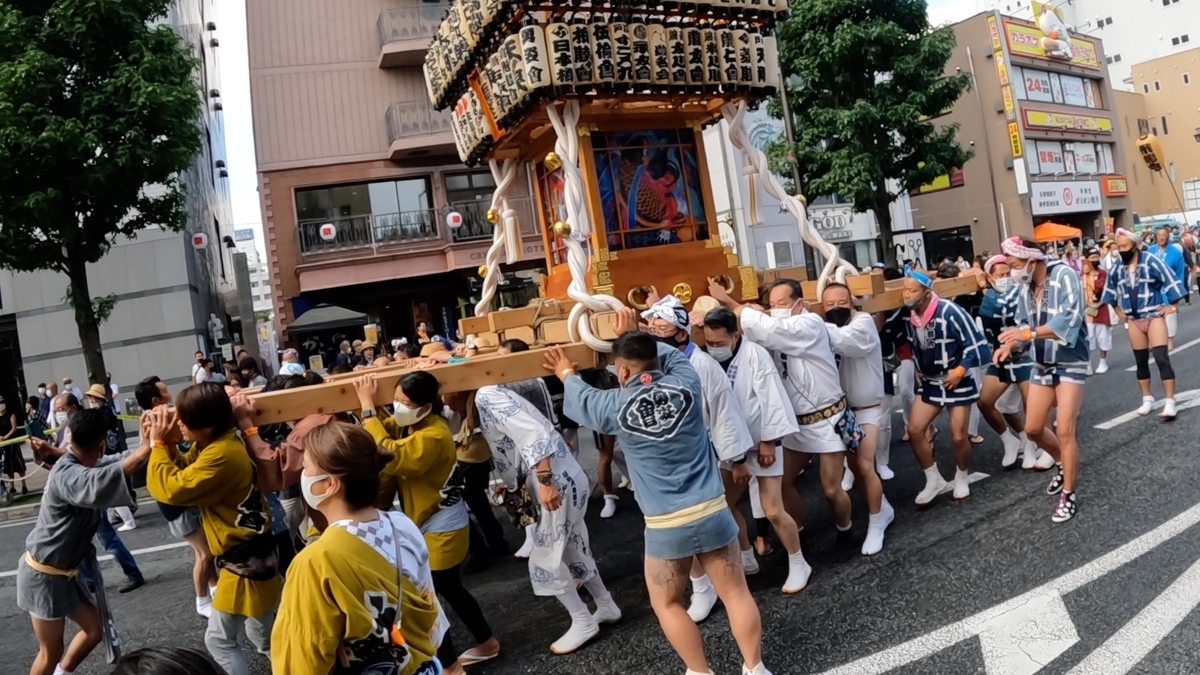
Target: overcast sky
[{"x": 239, "y": 128}]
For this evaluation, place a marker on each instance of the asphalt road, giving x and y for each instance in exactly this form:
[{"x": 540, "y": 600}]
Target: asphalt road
[{"x": 988, "y": 585}]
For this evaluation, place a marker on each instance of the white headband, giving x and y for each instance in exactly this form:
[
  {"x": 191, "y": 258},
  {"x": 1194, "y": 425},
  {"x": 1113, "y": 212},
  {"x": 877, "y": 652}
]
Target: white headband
[{"x": 1014, "y": 247}]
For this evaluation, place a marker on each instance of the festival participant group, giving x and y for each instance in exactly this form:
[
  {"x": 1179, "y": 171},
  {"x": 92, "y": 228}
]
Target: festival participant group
[{"x": 337, "y": 543}]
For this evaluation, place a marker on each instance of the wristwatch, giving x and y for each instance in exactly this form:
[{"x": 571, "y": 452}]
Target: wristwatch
[
  {"x": 367, "y": 413},
  {"x": 546, "y": 478}
]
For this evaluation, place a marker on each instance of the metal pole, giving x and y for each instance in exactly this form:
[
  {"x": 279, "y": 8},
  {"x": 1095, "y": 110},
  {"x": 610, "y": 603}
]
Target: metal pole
[
  {"x": 810, "y": 255},
  {"x": 987, "y": 145}
]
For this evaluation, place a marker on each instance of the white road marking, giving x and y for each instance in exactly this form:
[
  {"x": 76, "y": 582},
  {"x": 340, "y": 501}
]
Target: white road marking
[
  {"x": 1027, "y": 638},
  {"x": 1010, "y": 620},
  {"x": 972, "y": 478},
  {"x": 1175, "y": 351},
  {"x": 1190, "y": 397},
  {"x": 152, "y": 549},
  {"x": 1124, "y": 650}
]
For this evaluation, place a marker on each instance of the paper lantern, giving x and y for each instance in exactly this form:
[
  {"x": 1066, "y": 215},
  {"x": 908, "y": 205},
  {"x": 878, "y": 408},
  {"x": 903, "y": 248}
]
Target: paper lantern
[
  {"x": 581, "y": 54},
  {"x": 328, "y": 232},
  {"x": 745, "y": 59},
  {"x": 760, "y": 60},
  {"x": 660, "y": 60},
  {"x": 639, "y": 44},
  {"x": 728, "y": 53},
  {"x": 677, "y": 51},
  {"x": 771, "y": 49},
  {"x": 712, "y": 57},
  {"x": 534, "y": 55},
  {"x": 693, "y": 41},
  {"x": 199, "y": 241},
  {"x": 454, "y": 220},
  {"x": 562, "y": 71},
  {"x": 604, "y": 68},
  {"x": 618, "y": 34}
]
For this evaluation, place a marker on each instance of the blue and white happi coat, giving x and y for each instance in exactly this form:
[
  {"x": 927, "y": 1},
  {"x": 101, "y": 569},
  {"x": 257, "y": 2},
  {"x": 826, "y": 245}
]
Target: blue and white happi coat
[
  {"x": 521, "y": 437},
  {"x": 1061, "y": 308},
  {"x": 1140, "y": 292},
  {"x": 950, "y": 339}
]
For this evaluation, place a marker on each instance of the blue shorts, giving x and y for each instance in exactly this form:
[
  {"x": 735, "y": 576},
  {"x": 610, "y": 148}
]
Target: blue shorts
[
  {"x": 710, "y": 533},
  {"x": 934, "y": 393},
  {"x": 1075, "y": 372},
  {"x": 1010, "y": 372}
]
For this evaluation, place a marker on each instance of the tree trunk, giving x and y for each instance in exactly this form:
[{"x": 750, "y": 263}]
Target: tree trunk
[
  {"x": 883, "y": 216},
  {"x": 85, "y": 316}
]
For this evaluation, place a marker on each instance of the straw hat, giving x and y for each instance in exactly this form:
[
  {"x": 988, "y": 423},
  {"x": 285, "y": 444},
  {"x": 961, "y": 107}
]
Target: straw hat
[
  {"x": 364, "y": 346},
  {"x": 96, "y": 391}
]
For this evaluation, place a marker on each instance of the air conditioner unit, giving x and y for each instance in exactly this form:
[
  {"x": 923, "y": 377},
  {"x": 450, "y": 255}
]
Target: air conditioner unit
[{"x": 779, "y": 254}]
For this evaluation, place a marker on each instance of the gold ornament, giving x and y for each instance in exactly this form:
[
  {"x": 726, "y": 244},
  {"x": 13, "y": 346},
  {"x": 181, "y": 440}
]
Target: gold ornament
[
  {"x": 493, "y": 215},
  {"x": 552, "y": 162},
  {"x": 682, "y": 291},
  {"x": 482, "y": 271},
  {"x": 803, "y": 200},
  {"x": 562, "y": 228}
]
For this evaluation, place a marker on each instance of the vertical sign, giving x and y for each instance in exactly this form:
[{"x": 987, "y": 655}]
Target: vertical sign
[{"x": 1014, "y": 138}]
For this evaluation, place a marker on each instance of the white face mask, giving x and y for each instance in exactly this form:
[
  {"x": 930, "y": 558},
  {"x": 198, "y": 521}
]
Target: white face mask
[
  {"x": 41, "y": 391},
  {"x": 60, "y": 417},
  {"x": 721, "y": 354},
  {"x": 1002, "y": 284},
  {"x": 1022, "y": 276},
  {"x": 306, "y": 485},
  {"x": 406, "y": 416}
]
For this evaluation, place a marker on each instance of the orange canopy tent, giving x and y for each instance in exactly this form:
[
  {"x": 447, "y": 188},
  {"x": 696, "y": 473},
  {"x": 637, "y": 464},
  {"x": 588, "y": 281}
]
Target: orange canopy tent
[{"x": 1055, "y": 232}]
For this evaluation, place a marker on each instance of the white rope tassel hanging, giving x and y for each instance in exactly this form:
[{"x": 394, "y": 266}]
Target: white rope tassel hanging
[
  {"x": 755, "y": 163},
  {"x": 504, "y": 174},
  {"x": 579, "y": 324}
]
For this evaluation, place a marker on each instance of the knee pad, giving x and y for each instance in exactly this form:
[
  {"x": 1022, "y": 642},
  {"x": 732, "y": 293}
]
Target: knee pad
[
  {"x": 1142, "y": 358},
  {"x": 1163, "y": 359}
]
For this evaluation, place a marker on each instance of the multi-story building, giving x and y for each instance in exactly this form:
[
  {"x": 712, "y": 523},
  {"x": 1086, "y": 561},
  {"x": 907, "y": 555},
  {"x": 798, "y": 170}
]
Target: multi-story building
[
  {"x": 345, "y": 136},
  {"x": 1045, "y": 137},
  {"x": 260, "y": 278},
  {"x": 167, "y": 291},
  {"x": 1134, "y": 31}
]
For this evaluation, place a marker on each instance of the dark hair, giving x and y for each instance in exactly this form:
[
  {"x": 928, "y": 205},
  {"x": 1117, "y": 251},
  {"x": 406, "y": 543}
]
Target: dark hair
[
  {"x": 514, "y": 345},
  {"x": 1029, "y": 243},
  {"x": 146, "y": 391},
  {"x": 638, "y": 347},
  {"x": 281, "y": 381},
  {"x": 834, "y": 284},
  {"x": 892, "y": 274},
  {"x": 350, "y": 453},
  {"x": 310, "y": 378},
  {"x": 721, "y": 317},
  {"x": 167, "y": 661},
  {"x": 240, "y": 352},
  {"x": 72, "y": 402},
  {"x": 410, "y": 351},
  {"x": 792, "y": 285},
  {"x": 89, "y": 428},
  {"x": 340, "y": 368},
  {"x": 205, "y": 406},
  {"x": 422, "y": 388},
  {"x": 206, "y": 362},
  {"x": 200, "y": 352},
  {"x": 948, "y": 271},
  {"x": 248, "y": 363},
  {"x": 33, "y": 401}
]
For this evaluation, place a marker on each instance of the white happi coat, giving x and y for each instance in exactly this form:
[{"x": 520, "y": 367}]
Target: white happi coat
[
  {"x": 861, "y": 353},
  {"x": 806, "y": 361},
  {"x": 722, "y": 415},
  {"x": 759, "y": 391},
  {"x": 520, "y": 437}
]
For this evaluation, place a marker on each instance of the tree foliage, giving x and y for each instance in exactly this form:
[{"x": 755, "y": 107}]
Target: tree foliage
[
  {"x": 872, "y": 85},
  {"x": 98, "y": 117}
]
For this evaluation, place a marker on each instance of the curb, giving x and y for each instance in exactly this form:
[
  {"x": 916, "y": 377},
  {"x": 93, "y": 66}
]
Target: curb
[{"x": 30, "y": 510}]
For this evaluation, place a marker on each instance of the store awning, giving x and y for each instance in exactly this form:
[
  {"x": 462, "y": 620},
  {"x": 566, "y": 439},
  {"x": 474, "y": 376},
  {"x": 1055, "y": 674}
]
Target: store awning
[
  {"x": 325, "y": 317},
  {"x": 1055, "y": 232}
]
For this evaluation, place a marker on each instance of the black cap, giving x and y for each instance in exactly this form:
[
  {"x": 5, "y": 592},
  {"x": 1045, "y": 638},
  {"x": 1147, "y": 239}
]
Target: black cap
[
  {"x": 41, "y": 385},
  {"x": 1090, "y": 251}
]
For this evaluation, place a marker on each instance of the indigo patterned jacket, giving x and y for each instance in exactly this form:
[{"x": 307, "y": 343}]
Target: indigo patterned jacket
[
  {"x": 1141, "y": 292},
  {"x": 1061, "y": 309},
  {"x": 951, "y": 339}
]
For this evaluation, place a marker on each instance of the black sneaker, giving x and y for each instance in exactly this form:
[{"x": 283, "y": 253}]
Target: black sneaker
[
  {"x": 1066, "y": 508},
  {"x": 845, "y": 548},
  {"x": 1056, "y": 483},
  {"x": 132, "y": 584}
]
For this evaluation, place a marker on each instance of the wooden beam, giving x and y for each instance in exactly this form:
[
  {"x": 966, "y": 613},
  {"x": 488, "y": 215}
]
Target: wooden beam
[
  {"x": 860, "y": 284},
  {"x": 339, "y": 396}
]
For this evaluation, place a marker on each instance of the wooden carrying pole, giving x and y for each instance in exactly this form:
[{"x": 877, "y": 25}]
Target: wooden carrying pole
[{"x": 334, "y": 397}]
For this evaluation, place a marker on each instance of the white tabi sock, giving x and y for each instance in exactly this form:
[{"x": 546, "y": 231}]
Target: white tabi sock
[
  {"x": 58, "y": 670},
  {"x": 932, "y": 475},
  {"x": 583, "y": 626},
  {"x": 595, "y": 586}
]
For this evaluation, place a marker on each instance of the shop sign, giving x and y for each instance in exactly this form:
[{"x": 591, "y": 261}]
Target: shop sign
[
  {"x": 1014, "y": 138},
  {"x": 1010, "y": 108},
  {"x": 1044, "y": 119},
  {"x": 994, "y": 32},
  {"x": 1065, "y": 197},
  {"x": 839, "y": 222},
  {"x": 943, "y": 182},
  {"x": 1025, "y": 39},
  {"x": 1001, "y": 69},
  {"x": 1116, "y": 186}
]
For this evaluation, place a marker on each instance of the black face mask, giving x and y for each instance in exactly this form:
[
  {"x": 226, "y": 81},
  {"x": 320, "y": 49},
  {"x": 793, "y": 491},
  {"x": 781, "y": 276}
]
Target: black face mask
[
  {"x": 1127, "y": 256},
  {"x": 669, "y": 340},
  {"x": 838, "y": 316}
]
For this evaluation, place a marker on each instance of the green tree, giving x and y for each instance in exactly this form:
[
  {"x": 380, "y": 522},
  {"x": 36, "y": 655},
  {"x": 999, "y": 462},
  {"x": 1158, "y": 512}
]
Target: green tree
[
  {"x": 99, "y": 115},
  {"x": 872, "y": 84}
]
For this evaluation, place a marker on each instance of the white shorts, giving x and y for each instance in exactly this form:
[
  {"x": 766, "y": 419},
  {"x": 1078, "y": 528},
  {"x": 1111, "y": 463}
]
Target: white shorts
[
  {"x": 1010, "y": 402},
  {"x": 1100, "y": 336},
  {"x": 757, "y": 469},
  {"x": 821, "y": 438},
  {"x": 1172, "y": 324},
  {"x": 872, "y": 416}
]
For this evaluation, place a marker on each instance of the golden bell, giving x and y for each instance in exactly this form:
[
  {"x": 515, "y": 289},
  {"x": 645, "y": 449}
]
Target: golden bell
[
  {"x": 562, "y": 228},
  {"x": 482, "y": 271},
  {"x": 493, "y": 215},
  {"x": 552, "y": 162},
  {"x": 803, "y": 200}
]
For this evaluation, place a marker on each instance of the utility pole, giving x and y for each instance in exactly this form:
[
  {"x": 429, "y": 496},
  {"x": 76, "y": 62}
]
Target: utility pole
[{"x": 810, "y": 254}]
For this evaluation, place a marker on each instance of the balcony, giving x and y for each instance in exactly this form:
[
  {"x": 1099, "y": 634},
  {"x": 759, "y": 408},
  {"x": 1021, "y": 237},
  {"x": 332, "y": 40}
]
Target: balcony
[
  {"x": 368, "y": 234},
  {"x": 416, "y": 130},
  {"x": 475, "y": 225},
  {"x": 405, "y": 33}
]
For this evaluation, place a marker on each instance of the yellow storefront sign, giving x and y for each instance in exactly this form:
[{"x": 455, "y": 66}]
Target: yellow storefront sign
[
  {"x": 1010, "y": 107},
  {"x": 1044, "y": 119},
  {"x": 1025, "y": 39},
  {"x": 1014, "y": 138},
  {"x": 1001, "y": 69},
  {"x": 994, "y": 32}
]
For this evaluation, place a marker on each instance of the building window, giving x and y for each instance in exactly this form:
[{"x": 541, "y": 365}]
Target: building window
[
  {"x": 366, "y": 213},
  {"x": 1143, "y": 126},
  {"x": 1146, "y": 88},
  {"x": 1164, "y": 125},
  {"x": 1191, "y": 194},
  {"x": 1171, "y": 171},
  {"x": 469, "y": 187},
  {"x": 1168, "y": 3},
  {"x": 1182, "y": 39},
  {"x": 1187, "y": 79},
  {"x": 1115, "y": 58},
  {"x": 1157, "y": 85}
]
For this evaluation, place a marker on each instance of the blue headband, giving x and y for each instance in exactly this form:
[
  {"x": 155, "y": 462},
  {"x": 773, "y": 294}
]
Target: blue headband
[{"x": 920, "y": 278}]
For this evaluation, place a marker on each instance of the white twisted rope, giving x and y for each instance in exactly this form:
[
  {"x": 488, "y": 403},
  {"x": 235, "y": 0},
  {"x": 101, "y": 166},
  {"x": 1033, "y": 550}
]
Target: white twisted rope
[
  {"x": 755, "y": 164},
  {"x": 504, "y": 174},
  {"x": 579, "y": 324}
]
